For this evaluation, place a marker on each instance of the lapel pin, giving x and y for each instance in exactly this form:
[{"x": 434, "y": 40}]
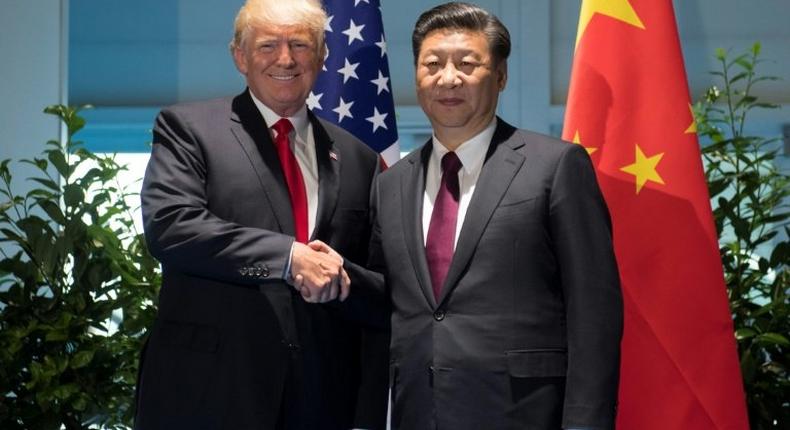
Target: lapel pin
[{"x": 333, "y": 155}]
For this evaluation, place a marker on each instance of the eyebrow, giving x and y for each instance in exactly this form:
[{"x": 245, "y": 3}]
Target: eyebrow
[
  {"x": 456, "y": 53},
  {"x": 278, "y": 38}
]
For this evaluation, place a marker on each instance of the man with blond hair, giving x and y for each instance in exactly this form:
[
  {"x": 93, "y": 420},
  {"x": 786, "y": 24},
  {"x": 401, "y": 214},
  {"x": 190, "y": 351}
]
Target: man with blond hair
[{"x": 238, "y": 196}]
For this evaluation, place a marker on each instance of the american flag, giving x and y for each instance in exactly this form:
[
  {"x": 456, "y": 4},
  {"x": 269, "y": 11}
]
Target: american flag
[{"x": 354, "y": 89}]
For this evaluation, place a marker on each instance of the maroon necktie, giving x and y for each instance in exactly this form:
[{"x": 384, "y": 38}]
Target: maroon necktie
[
  {"x": 293, "y": 177},
  {"x": 441, "y": 231}
]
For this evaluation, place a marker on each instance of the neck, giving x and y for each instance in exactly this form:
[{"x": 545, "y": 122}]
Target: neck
[{"x": 452, "y": 137}]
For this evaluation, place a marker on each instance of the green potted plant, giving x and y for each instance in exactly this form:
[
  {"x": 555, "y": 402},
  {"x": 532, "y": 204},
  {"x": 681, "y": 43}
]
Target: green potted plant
[
  {"x": 77, "y": 291},
  {"x": 751, "y": 201}
]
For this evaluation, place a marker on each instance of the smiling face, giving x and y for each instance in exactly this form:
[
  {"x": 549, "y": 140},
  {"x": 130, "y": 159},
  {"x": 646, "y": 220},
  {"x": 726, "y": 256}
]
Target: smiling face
[
  {"x": 281, "y": 63},
  {"x": 458, "y": 83}
]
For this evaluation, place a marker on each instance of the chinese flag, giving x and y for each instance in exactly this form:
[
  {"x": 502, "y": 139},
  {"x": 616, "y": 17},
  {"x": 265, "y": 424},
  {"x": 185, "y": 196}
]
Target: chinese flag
[{"x": 629, "y": 106}]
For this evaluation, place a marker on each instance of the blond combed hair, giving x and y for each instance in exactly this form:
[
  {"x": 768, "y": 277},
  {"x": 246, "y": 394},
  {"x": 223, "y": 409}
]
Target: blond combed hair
[{"x": 257, "y": 13}]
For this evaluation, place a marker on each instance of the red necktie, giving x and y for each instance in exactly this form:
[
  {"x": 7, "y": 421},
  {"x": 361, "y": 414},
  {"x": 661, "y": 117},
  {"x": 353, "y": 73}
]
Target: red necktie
[
  {"x": 441, "y": 231},
  {"x": 293, "y": 177}
]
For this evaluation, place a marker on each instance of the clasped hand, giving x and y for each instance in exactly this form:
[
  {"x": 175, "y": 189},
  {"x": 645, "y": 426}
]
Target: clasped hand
[{"x": 317, "y": 272}]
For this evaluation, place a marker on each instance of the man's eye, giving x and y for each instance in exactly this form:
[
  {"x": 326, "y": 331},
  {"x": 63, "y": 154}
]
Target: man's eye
[{"x": 467, "y": 67}]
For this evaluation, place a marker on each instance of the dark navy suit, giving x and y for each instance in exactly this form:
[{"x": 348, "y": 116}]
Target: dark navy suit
[
  {"x": 526, "y": 331},
  {"x": 234, "y": 346}
]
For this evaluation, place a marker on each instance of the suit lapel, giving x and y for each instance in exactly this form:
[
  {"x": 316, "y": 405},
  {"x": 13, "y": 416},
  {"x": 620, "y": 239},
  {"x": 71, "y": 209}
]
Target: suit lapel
[
  {"x": 250, "y": 130},
  {"x": 499, "y": 168},
  {"x": 328, "y": 161},
  {"x": 412, "y": 191}
]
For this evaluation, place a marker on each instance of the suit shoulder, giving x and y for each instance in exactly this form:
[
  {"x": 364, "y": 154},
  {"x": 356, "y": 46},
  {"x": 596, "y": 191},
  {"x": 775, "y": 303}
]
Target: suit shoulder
[
  {"x": 547, "y": 147},
  {"x": 527, "y": 141},
  {"x": 196, "y": 114},
  {"x": 200, "y": 106},
  {"x": 402, "y": 166},
  {"x": 347, "y": 141},
  {"x": 541, "y": 141}
]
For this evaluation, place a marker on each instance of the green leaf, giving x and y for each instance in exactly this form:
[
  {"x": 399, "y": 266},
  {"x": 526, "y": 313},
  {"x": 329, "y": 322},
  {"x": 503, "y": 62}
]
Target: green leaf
[
  {"x": 773, "y": 339},
  {"x": 58, "y": 159},
  {"x": 65, "y": 391},
  {"x": 780, "y": 254},
  {"x": 738, "y": 77},
  {"x": 744, "y": 63},
  {"x": 81, "y": 359},
  {"x": 80, "y": 402},
  {"x": 716, "y": 187},
  {"x": 52, "y": 185},
  {"x": 745, "y": 100},
  {"x": 53, "y": 211},
  {"x": 756, "y": 49},
  {"x": 57, "y": 335},
  {"x": 776, "y": 218},
  {"x": 765, "y": 78},
  {"x": 38, "y": 163},
  {"x": 73, "y": 195},
  {"x": 6, "y": 206},
  {"x": 744, "y": 333},
  {"x": 767, "y": 105}
]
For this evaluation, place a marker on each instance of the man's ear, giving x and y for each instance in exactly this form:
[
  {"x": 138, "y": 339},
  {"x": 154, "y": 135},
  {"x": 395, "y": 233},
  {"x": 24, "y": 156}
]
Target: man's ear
[
  {"x": 501, "y": 72},
  {"x": 239, "y": 58}
]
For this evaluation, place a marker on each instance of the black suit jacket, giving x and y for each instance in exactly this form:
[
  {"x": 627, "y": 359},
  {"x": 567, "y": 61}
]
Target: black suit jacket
[
  {"x": 527, "y": 330},
  {"x": 230, "y": 330}
]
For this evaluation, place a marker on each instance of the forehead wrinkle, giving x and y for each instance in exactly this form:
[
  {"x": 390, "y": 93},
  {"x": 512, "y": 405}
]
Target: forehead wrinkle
[
  {"x": 449, "y": 44},
  {"x": 453, "y": 52},
  {"x": 281, "y": 38},
  {"x": 283, "y": 33}
]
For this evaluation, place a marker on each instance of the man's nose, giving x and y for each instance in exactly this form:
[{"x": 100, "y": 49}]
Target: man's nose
[
  {"x": 448, "y": 76},
  {"x": 285, "y": 56}
]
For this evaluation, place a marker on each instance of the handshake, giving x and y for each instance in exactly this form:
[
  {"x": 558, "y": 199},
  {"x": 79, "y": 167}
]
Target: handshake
[{"x": 317, "y": 272}]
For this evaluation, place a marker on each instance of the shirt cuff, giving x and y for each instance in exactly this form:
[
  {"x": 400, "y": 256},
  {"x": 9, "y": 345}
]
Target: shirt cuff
[{"x": 287, "y": 271}]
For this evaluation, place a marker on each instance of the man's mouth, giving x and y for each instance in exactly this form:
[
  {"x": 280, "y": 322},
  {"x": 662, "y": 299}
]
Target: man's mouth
[
  {"x": 450, "y": 101},
  {"x": 283, "y": 77}
]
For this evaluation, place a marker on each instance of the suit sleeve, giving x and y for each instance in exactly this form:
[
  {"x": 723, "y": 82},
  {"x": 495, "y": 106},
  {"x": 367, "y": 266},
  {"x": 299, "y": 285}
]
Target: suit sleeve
[
  {"x": 181, "y": 231},
  {"x": 373, "y": 399},
  {"x": 368, "y": 302},
  {"x": 582, "y": 234},
  {"x": 368, "y": 307}
]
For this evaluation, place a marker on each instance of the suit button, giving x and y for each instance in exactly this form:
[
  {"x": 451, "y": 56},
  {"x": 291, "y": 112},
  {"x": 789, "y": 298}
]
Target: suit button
[
  {"x": 438, "y": 315},
  {"x": 265, "y": 271},
  {"x": 243, "y": 271},
  {"x": 257, "y": 271},
  {"x": 290, "y": 345}
]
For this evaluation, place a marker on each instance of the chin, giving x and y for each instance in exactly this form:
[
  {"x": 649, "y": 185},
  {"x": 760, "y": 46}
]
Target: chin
[{"x": 445, "y": 121}]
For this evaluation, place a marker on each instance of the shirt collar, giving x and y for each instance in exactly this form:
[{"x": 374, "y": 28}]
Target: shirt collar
[
  {"x": 472, "y": 152},
  {"x": 299, "y": 120}
]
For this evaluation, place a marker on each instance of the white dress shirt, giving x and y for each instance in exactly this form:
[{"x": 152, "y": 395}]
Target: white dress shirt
[
  {"x": 472, "y": 154},
  {"x": 303, "y": 147}
]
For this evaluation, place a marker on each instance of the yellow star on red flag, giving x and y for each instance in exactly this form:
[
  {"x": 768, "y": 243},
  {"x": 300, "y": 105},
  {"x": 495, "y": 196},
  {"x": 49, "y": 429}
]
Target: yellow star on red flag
[
  {"x": 577, "y": 140},
  {"x": 693, "y": 127},
  {"x": 628, "y": 83},
  {"x": 644, "y": 169},
  {"x": 617, "y": 9}
]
